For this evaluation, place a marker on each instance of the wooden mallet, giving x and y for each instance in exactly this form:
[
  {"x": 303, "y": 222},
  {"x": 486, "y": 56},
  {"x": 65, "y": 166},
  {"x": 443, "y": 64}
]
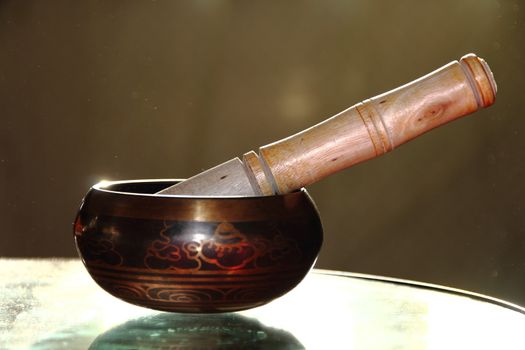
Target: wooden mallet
[{"x": 363, "y": 131}]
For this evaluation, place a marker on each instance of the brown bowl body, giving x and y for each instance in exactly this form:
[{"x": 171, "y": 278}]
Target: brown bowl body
[{"x": 192, "y": 254}]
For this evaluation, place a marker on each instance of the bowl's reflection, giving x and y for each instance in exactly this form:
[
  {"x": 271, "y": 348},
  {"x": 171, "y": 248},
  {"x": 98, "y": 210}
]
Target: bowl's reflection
[{"x": 191, "y": 331}]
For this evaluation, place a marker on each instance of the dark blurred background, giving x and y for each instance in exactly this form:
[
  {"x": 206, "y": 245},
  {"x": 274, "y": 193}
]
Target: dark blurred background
[{"x": 111, "y": 90}]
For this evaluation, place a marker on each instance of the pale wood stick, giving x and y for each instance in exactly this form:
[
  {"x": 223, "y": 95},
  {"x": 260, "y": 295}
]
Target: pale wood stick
[{"x": 373, "y": 127}]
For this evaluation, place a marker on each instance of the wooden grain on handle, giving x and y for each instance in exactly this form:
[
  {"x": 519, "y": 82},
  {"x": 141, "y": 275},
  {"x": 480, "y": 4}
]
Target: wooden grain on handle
[{"x": 373, "y": 127}]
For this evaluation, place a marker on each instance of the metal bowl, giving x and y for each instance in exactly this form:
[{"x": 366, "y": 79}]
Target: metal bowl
[{"x": 195, "y": 254}]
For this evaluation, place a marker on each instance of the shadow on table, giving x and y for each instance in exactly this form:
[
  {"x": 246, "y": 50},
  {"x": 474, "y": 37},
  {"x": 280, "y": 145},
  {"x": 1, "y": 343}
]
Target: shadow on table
[{"x": 186, "y": 331}]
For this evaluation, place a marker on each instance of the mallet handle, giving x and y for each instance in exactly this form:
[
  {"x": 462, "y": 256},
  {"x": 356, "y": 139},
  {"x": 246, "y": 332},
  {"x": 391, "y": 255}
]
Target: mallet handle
[{"x": 374, "y": 126}]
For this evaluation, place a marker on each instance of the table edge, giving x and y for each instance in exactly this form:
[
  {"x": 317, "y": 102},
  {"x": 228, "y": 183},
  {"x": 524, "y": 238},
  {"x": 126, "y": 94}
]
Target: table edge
[{"x": 423, "y": 285}]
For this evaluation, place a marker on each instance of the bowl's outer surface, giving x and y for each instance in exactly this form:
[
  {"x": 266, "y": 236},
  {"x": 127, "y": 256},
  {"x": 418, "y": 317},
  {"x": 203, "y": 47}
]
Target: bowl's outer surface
[{"x": 196, "y": 254}]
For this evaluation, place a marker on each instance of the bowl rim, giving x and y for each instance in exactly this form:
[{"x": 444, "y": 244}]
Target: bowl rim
[{"x": 102, "y": 185}]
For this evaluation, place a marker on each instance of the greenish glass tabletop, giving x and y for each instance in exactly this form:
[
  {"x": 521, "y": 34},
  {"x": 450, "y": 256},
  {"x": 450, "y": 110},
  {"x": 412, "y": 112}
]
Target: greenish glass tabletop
[{"x": 54, "y": 304}]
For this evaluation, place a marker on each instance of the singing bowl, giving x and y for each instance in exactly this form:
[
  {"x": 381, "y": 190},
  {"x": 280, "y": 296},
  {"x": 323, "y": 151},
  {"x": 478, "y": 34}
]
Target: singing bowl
[{"x": 195, "y": 254}]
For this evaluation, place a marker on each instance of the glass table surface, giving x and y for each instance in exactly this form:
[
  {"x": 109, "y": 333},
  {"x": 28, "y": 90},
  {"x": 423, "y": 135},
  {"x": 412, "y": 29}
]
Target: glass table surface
[{"x": 54, "y": 304}]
